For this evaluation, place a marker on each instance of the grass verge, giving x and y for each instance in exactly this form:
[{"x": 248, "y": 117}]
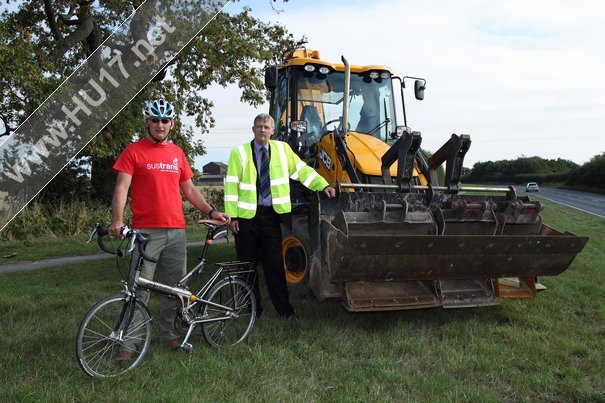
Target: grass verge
[
  {"x": 52, "y": 246},
  {"x": 548, "y": 349}
]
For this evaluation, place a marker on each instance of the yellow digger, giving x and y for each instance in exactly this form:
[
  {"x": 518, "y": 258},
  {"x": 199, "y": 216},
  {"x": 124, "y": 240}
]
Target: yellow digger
[{"x": 395, "y": 238}]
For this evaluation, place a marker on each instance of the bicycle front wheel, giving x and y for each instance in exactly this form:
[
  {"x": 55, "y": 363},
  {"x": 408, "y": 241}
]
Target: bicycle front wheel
[
  {"x": 113, "y": 337},
  {"x": 229, "y": 326}
]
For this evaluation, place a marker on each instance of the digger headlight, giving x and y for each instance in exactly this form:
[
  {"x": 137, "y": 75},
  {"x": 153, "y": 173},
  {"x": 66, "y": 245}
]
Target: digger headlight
[
  {"x": 324, "y": 70},
  {"x": 374, "y": 75},
  {"x": 309, "y": 67},
  {"x": 400, "y": 130}
]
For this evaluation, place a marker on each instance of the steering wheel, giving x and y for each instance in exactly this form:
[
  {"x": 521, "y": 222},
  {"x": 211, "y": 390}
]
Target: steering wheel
[{"x": 325, "y": 129}]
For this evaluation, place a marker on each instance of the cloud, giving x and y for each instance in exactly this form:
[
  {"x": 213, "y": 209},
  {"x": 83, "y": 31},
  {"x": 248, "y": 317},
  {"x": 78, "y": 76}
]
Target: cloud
[{"x": 523, "y": 78}]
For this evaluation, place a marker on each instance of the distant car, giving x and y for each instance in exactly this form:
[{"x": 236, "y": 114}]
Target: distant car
[{"x": 532, "y": 187}]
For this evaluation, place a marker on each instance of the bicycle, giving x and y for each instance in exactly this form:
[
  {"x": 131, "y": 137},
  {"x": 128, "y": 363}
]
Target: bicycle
[{"x": 225, "y": 307}]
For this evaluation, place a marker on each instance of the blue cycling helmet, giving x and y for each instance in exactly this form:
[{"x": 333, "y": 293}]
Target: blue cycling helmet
[{"x": 159, "y": 108}]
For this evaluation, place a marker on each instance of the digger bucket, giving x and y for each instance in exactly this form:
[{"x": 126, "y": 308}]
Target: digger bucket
[{"x": 402, "y": 251}]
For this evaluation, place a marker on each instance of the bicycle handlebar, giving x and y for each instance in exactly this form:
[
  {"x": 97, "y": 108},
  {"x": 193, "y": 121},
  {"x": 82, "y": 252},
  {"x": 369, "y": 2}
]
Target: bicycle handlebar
[{"x": 126, "y": 232}]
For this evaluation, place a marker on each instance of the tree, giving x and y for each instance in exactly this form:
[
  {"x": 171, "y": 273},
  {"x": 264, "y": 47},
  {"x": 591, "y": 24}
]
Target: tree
[
  {"x": 591, "y": 174},
  {"x": 43, "y": 41},
  {"x": 522, "y": 169}
]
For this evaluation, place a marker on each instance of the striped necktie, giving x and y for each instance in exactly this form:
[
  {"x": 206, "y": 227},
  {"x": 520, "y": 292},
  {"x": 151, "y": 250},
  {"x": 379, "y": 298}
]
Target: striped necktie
[{"x": 265, "y": 181}]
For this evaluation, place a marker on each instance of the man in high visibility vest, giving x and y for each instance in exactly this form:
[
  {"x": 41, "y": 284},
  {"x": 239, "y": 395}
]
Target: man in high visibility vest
[{"x": 257, "y": 196}]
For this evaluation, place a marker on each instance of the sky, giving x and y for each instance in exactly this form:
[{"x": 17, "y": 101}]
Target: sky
[{"x": 522, "y": 78}]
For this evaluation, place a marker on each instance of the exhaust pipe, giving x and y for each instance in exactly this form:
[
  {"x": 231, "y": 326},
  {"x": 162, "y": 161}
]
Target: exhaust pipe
[{"x": 345, "y": 102}]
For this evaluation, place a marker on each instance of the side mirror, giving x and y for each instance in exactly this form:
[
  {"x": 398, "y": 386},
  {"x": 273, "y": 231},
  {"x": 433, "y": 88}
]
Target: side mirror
[
  {"x": 298, "y": 126},
  {"x": 419, "y": 86},
  {"x": 271, "y": 78}
]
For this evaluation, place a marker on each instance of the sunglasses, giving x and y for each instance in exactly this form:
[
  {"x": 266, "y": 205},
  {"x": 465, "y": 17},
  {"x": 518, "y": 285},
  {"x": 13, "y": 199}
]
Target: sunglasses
[{"x": 156, "y": 120}]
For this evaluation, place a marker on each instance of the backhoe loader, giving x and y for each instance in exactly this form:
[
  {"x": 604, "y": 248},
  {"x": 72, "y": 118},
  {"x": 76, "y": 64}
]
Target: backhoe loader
[{"x": 395, "y": 238}]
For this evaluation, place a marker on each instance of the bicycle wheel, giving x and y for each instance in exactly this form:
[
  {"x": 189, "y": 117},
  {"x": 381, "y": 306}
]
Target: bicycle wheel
[
  {"x": 112, "y": 326},
  {"x": 228, "y": 328}
]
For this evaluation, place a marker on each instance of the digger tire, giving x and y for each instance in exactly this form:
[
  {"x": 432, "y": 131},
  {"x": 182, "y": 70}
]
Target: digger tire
[{"x": 295, "y": 252}]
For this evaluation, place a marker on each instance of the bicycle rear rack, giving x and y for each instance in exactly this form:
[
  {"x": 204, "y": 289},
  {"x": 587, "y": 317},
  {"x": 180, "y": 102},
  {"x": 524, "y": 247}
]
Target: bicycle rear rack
[{"x": 236, "y": 268}]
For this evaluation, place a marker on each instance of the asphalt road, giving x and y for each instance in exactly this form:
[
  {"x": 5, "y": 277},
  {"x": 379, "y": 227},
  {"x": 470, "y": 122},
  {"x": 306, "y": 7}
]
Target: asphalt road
[{"x": 588, "y": 202}]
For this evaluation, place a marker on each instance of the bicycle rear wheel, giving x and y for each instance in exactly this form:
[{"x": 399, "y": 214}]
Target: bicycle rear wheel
[
  {"x": 115, "y": 325},
  {"x": 229, "y": 327}
]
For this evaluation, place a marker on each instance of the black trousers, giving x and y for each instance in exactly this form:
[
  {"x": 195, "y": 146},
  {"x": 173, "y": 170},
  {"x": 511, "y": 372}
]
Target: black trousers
[{"x": 259, "y": 241}]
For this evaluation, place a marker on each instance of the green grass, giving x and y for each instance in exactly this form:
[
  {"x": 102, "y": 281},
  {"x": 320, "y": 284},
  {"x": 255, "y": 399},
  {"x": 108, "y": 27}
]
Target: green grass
[{"x": 551, "y": 348}]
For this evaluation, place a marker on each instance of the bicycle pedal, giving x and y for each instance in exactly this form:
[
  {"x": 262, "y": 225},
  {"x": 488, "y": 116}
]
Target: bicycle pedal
[{"x": 187, "y": 347}]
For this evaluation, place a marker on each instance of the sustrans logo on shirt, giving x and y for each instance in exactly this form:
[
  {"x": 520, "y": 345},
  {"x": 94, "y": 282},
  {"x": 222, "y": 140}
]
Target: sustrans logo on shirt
[{"x": 163, "y": 167}]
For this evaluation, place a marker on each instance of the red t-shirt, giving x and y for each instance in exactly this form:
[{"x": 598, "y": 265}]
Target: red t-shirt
[{"x": 156, "y": 170}]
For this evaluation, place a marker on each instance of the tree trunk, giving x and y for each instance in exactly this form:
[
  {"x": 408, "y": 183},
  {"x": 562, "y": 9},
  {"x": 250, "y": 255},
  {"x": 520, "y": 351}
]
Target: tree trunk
[{"x": 102, "y": 179}]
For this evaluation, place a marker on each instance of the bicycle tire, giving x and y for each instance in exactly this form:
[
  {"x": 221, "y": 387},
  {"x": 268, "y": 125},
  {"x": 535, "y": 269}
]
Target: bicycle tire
[
  {"x": 235, "y": 293},
  {"x": 98, "y": 341}
]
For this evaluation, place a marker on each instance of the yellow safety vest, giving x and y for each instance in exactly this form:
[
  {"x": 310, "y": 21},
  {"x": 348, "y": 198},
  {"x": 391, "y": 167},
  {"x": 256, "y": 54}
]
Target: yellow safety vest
[{"x": 240, "y": 183}]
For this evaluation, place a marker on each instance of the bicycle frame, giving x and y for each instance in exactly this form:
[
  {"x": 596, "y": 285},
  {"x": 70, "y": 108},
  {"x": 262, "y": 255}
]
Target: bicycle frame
[{"x": 187, "y": 298}]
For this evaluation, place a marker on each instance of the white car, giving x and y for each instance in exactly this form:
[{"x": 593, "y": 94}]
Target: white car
[{"x": 532, "y": 187}]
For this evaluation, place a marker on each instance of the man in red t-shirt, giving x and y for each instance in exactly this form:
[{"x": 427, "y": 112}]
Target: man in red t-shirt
[{"x": 157, "y": 171}]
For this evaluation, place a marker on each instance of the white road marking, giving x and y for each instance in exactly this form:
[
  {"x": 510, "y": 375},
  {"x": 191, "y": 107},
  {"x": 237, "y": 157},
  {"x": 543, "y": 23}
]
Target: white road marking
[{"x": 567, "y": 205}]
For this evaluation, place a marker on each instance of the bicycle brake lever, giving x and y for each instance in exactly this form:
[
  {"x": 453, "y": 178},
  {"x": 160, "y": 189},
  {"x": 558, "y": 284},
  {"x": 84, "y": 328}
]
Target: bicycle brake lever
[
  {"x": 130, "y": 245},
  {"x": 93, "y": 232},
  {"x": 125, "y": 231}
]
